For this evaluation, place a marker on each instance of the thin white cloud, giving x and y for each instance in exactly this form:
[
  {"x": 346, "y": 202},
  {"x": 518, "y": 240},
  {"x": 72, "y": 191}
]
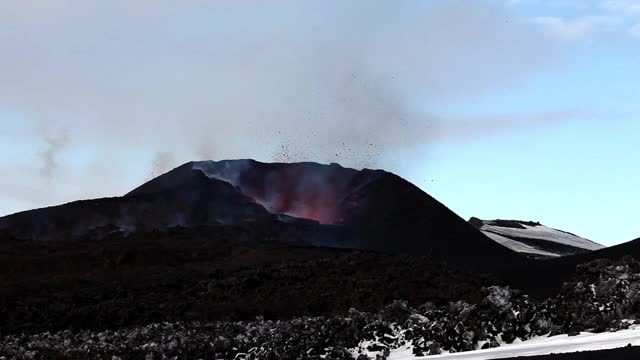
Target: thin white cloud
[
  {"x": 635, "y": 31},
  {"x": 625, "y": 7},
  {"x": 469, "y": 129},
  {"x": 555, "y": 4},
  {"x": 583, "y": 19},
  {"x": 576, "y": 28}
]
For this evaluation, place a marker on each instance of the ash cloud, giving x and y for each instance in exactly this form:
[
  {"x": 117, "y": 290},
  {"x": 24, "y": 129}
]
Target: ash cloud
[{"x": 327, "y": 81}]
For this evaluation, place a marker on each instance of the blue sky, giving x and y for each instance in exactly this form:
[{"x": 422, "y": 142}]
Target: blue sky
[
  {"x": 520, "y": 109},
  {"x": 579, "y": 176}
]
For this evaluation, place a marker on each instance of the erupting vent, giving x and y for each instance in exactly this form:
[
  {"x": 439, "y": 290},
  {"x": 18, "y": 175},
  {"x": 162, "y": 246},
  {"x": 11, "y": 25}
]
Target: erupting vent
[{"x": 304, "y": 190}]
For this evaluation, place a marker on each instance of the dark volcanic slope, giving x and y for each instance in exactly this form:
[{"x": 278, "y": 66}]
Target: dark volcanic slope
[
  {"x": 189, "y": 198},
  {"x": 391, "y": 214}
]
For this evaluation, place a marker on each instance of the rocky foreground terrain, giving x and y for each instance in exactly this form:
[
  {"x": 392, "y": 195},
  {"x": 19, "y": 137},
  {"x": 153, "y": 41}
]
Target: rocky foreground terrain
[
  {"x": 605, "y": 296},
  {"x": 207, "y": 275}
]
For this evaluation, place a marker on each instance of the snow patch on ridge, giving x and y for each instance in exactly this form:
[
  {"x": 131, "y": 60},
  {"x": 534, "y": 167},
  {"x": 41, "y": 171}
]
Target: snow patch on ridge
[
  {"x": 518, "y": 246},
  {"x": 542, "y": 232},
  {"x": 533, "y": 238},
  {"x": 539, "y": 346}
]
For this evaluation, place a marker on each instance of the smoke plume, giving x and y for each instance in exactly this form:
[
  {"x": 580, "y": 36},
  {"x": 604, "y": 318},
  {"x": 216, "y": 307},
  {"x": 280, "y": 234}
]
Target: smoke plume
[
  {"x": 54, "y": 144},
  {"x": 162, "y": 162},
  {"x": 246, "y": 79}
]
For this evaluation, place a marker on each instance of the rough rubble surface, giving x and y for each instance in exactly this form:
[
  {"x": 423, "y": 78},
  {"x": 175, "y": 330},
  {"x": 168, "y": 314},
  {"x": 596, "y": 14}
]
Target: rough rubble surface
[{"x": 605, "y": 296}]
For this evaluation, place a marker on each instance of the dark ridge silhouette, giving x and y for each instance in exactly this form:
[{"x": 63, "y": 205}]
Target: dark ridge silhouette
[{"x": 193, "y": 200}]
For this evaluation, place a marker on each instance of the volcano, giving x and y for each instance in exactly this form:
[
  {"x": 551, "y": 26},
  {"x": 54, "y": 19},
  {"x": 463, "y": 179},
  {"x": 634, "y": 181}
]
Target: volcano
[{"x": 329, "y": 205}]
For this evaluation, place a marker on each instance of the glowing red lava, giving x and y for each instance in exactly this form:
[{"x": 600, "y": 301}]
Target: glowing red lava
[
  {"x": 304, "y": 190},
  {"x": 297, "y": 196}
]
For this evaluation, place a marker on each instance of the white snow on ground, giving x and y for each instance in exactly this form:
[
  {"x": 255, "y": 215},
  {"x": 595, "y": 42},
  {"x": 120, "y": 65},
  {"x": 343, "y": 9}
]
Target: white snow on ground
[
  {"x": 517, "y": 246},
  {"x": 543, "y": 233},
  {"x": 540, "y": 346}
]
